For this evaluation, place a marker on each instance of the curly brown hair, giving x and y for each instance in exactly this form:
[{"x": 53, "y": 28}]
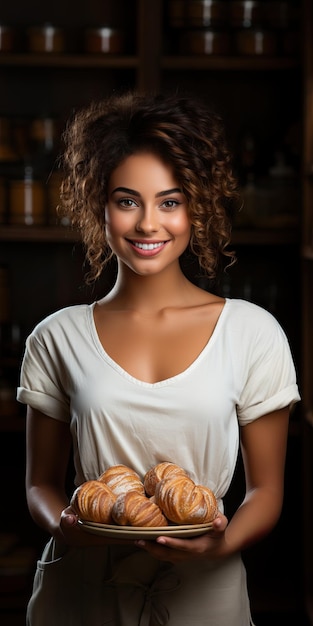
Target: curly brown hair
[{"x": 184, "y": 133}]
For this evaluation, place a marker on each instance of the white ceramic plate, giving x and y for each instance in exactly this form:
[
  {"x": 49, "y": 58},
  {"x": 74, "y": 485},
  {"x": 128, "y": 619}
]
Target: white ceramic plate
[{"x": 144, "y": 532}]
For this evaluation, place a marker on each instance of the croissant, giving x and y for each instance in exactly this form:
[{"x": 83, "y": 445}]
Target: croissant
[
  {"x": 93, "y": 501},
  {"x": 184, "y": 502},
  {"x": 160, "y": 472},
  {"x": 121, "y": 479},
  {"x": 134, "y": 509}
]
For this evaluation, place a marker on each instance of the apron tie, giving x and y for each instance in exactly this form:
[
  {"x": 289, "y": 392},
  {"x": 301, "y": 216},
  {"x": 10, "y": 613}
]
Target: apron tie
[
  {"x": 154, "y": 613},
  {"x": 138, "y": 582}
]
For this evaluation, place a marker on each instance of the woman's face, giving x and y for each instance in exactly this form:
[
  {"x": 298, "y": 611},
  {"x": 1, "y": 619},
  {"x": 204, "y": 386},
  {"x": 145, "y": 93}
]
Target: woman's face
[{"x": 146, "y": 216}]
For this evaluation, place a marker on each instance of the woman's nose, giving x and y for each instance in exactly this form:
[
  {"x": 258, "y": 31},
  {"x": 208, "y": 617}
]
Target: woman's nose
[{"x": 148, "y": 221}]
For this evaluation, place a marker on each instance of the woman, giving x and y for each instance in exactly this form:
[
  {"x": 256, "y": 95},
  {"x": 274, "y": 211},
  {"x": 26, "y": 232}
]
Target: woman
[{"x": 156, "y": 370}]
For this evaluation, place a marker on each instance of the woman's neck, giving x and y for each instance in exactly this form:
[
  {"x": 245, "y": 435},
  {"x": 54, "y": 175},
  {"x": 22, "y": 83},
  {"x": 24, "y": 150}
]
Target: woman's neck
[{"x": 151, "y": 293}]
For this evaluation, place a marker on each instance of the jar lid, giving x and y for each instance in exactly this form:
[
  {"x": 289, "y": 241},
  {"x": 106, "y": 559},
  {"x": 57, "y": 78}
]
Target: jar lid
[{"x": 104, "y": 31}]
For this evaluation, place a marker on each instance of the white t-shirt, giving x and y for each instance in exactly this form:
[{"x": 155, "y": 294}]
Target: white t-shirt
[{"x": 244, "y": 371}]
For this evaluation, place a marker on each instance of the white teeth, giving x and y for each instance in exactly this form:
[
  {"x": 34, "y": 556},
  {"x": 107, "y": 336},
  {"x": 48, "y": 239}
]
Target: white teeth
[{"x": 148, "y": 246}]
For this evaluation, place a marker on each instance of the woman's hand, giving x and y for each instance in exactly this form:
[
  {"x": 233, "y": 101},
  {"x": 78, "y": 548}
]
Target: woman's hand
[
  {"x": 73, "y": 534},
  {"x": 70, "y": 530},
  {"x": 173, "y": 550}
]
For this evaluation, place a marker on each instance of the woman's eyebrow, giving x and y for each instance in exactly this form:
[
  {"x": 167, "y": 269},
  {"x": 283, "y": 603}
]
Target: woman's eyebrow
[
  {"x": 168, "y": 192},
  {"x": 160, "y": 194},
  {"x": 126, "y": 190}
]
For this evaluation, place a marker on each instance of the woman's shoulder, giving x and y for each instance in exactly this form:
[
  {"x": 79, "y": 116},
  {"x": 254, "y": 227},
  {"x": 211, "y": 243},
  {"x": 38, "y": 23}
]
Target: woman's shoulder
[
  {"x": 246, "y": 307},
  {"x": 248, "y": 315},
  {"x": 64, "y": 319}
]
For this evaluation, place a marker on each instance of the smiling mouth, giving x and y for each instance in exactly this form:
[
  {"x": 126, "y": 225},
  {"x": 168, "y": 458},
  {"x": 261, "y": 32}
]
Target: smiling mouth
[{"x": 148, "y": 246}]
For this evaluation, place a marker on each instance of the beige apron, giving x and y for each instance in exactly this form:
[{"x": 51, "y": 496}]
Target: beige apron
[{"x": 121, "y": 586}]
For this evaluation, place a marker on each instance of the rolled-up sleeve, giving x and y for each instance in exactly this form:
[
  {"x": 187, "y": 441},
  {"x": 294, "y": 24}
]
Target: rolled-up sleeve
[
  {"x": 41, "y": 380},
  {"x": 271, "y": 378}
]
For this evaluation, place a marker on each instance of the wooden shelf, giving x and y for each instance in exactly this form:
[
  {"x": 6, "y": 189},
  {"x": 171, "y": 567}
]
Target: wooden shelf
[
  {"x": 202, "y": 62},
  {"x": 70, "y": 61},
  {"x": 39, "y": 234},
  {"x": 196, "y": 62}
]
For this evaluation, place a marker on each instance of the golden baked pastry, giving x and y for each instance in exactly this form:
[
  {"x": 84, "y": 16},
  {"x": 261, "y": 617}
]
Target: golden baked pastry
[
  {"x": 160, "y": 472},
  {"x": 184, "y": 502},
  {"x": 93, "y": 502},
  {"x": 121, "y": 479},
  {"x": 134, "y": 509}
]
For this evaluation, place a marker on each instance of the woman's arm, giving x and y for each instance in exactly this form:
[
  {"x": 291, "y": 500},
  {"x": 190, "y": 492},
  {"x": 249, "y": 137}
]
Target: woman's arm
[
  {"x": 263, "y": 445},
  {"x": 48, "y": 445}
]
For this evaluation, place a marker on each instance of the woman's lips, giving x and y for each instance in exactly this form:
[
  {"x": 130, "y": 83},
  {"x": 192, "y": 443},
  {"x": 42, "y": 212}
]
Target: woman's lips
[{"x": 147, "y": 248}]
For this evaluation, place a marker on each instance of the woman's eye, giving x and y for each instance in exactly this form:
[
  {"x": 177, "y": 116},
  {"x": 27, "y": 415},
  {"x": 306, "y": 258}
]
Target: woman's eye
[
  {"x": 127, "y": 203},
  {"x": 170, "y": 204}
]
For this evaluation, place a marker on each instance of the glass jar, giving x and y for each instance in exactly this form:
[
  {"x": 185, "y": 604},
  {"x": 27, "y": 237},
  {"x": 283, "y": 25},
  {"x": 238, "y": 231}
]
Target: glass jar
[
  {"x": 46, "y": 38},
  {"x": 44, "y": 137},
  {"x": 255, "y": 43},
  {"x": 247, "y": 14},
  {"x": 104, "y": 40},
  {"x": 204, "y": 41},
  {"x": 207, "y": 13},
  {"x": 198, "y": 13},
  {"x": 9, "y": 163},
  {"x": 6, "y": 38},
  {"x": 27, "y": 200}
]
